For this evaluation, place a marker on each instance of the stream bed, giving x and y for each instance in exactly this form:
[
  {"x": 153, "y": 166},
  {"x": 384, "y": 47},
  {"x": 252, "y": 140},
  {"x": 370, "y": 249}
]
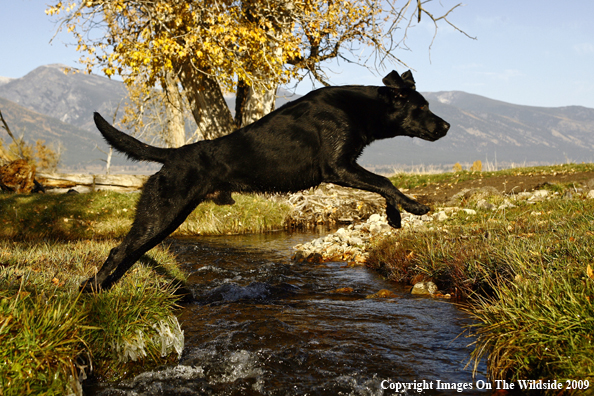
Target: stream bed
[{"x": 265, "y": 325}]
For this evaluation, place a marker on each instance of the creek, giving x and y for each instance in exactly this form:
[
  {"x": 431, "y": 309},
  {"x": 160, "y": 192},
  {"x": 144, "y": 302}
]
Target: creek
[{"x": 265, "y": 325}]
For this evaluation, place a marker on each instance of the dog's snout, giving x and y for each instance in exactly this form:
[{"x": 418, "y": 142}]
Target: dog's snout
[{"x": 437, "y": 130}]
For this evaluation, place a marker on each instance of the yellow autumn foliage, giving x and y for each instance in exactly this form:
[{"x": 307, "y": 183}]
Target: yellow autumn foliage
[
  {"x": 260, "y": 42},
  {"x": 257, "y": 43}
]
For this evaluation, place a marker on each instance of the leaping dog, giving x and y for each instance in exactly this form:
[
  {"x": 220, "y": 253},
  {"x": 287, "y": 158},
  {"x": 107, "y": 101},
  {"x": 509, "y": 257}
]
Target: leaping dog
[{"x": 316, "y": 138}]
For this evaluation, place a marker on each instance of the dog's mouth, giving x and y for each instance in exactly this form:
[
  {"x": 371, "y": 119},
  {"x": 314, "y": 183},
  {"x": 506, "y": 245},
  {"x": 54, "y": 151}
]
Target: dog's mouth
[{"x": 437, "y": 132}]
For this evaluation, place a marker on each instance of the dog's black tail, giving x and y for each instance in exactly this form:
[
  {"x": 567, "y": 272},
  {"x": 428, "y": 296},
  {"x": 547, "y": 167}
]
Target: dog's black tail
[{"x": 133, "y": 148}]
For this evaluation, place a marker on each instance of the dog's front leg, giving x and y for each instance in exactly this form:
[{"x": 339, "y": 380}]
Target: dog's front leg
[
  {"x": 356, "y": 177},
  {"x": 94, "y": 283}
]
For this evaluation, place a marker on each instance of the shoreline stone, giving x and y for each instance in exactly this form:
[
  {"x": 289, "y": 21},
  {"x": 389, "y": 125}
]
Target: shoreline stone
[{"x": 352, "y": 243}]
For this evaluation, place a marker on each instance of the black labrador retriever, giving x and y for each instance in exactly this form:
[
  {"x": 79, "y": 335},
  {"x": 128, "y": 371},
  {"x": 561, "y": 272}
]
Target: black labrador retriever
[{"x": 316, "y": 138}]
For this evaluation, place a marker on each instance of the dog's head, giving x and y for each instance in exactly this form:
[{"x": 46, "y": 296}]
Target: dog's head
[{"x": 408, "y": 111}]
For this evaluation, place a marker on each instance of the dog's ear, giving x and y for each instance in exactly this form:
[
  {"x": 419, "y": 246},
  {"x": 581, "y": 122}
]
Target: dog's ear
[
  {"x": 408, "y": 79},
  {"x": 395, "y": 81}
]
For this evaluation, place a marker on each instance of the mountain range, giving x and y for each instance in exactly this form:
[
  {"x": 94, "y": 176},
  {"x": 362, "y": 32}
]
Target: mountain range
[{"x": 57, "y": 107}]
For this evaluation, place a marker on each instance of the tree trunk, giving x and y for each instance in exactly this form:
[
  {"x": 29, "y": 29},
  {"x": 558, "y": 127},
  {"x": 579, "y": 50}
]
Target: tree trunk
[
  {"x": 252, "y": 104},
  {"x": 207, "y": 104},
  {"x": 108, "y": 160},
  {"x": 175, "y": 134}
]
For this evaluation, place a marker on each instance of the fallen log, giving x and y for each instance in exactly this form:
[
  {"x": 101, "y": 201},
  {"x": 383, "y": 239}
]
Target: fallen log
[{"x": 56, "y": 182}]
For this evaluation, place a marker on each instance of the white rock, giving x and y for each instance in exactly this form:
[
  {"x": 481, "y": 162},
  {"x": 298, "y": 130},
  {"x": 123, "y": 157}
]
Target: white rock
[
  {"x": 342, "y": 232},
  {"x": 590, "y": 194},
  {"x": 353, "y": 241},
  {"x": 540, "y": 193},
  {"x": 375, "y": 228},
  {"x": 522, "y": 195},
  {"x": 424, "y": 288},
  {"x": 374, "y": 218},
  {"x": 506, "y": 204},
  {"x": 469, "y": 211},
  {"x": 484, "y": 204},
  {"x": 440, "y": 216}
]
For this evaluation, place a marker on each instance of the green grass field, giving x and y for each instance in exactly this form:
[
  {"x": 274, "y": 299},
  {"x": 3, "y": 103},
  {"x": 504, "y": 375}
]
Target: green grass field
[{"x": 524, "y": 273}]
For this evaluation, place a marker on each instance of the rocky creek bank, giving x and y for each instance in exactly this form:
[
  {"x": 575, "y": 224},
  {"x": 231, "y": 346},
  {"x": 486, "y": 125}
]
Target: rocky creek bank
[{"x": 353, "y": 242}]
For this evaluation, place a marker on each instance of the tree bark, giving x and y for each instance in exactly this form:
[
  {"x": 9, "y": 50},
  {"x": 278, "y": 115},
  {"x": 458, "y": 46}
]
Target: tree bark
[
  {"x": 207, "y": 104},
  {"x": 251, "y": 104},
  {"x": 175, "y": 135}
]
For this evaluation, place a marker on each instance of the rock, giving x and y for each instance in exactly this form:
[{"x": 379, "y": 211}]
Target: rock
[
  {"x": 346, "y": 244},
  {"x": 484, "y": 204},
  {"x": 539, "y": 195},
  {"x": 469, "y": 211},
  {"x": 384, "y": 293},
  {"x": 300, "y": 255},
  {"x": 315, "y": 258},
  {"x": 17, "y": 176},
  {"x": 341, "y": 232},
  {"x": 378, "y": 228},
  {"x": 374, "y": 218},
  {"x": 522, "y": 195},
  {"x": 505, "y": 205},
  {"x": 343, "y": 290},
  {"x": 424, "y": 288},
  {"x": 354, "y": 241},
  {"x": 440, "y": 216},
  {"x": 590, "y": 194}
]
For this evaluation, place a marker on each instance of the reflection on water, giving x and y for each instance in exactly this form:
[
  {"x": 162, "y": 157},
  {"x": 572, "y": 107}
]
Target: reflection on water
[{"x": 264, "y": 325}]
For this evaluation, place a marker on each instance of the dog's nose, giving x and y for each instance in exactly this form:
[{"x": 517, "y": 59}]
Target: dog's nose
[{"x": 446, "y": 126}]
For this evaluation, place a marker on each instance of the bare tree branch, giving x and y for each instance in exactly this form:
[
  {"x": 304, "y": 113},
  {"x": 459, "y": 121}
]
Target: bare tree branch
[{"x": 16, "y": 142}]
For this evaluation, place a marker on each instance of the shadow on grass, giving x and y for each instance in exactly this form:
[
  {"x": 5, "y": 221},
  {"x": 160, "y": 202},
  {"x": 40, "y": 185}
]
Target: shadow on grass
[{"x": 179, "y": 286}]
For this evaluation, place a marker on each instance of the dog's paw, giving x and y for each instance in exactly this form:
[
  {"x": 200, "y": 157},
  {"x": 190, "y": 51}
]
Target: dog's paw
[
  {"x": 394, "y": 218},
  {"x": 416, "y": 208}
]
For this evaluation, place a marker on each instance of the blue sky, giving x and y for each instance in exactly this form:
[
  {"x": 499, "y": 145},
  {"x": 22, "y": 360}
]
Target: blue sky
[{"x": 530, "y": 52}]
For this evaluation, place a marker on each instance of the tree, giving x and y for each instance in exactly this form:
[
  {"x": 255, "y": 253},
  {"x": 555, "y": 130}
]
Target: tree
[
  {"x": 43, "y": 157},
  {"x": 194, "y": 50}
]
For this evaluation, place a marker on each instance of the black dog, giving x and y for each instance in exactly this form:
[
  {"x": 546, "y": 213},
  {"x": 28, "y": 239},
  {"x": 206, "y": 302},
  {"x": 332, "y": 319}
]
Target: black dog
[{"x": 314, "y": 139}]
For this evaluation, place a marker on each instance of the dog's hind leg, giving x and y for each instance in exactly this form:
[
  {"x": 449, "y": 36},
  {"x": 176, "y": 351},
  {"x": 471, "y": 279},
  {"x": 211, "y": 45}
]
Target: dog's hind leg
[
  {"x": 356, "y": 177},
  {"x": 163, "y": 206}
]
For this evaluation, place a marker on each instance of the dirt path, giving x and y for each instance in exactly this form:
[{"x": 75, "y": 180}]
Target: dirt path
[{"x": 442, "y": 192}]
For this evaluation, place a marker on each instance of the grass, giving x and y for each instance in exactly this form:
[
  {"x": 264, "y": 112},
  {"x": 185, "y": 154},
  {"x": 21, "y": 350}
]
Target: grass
[
  {"x": 250, "y": 214},
  {"x": 523, "y": 274},
  {"x": 103, "y": 215},
  {"x": 50, "y": 335},
  {"x": 412, "y": 180}
]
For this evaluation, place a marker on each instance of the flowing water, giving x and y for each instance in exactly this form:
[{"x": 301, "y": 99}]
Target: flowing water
[{"x": 264, "y": 325}]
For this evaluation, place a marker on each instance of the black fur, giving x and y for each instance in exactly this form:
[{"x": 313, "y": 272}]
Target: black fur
[{"x": 314, "y": 139}]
